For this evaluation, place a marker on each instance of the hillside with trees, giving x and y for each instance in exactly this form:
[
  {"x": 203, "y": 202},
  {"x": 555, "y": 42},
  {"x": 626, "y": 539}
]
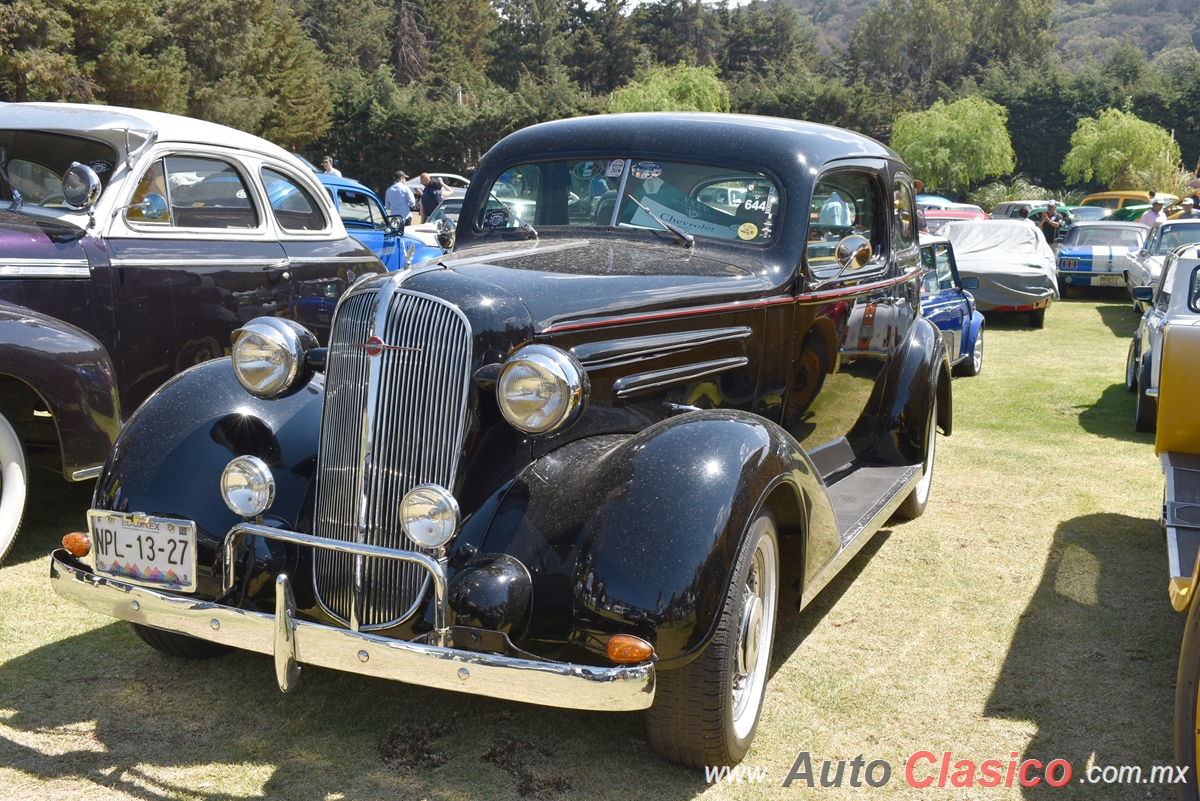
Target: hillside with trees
[{"x": 431, "y": 84}]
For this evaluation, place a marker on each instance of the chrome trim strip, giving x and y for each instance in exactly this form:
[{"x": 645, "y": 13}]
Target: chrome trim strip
[
  {"x": 616, "y": 352},
  {"x": 44, "y": 268},
  {"x": 168, "y": 260},
  {"x": 87, "y": 472},
  {"x": 867, "y": 528},
  {"x": 631, "y": 385},
  {"x": 625, "y": 688}
]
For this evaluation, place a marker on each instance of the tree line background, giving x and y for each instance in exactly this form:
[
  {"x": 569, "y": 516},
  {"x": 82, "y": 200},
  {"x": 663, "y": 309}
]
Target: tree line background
[{"x": 432, "y": 84}]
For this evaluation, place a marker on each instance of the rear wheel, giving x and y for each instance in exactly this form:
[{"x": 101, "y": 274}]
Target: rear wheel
[
  {"x": 1037, "y": 318},
  {"x": 179, "y": 645},
  {"x": 1145, "y": 414},
  {"x": 1131, "y": 368},
  {"x": 13, "y": 487},
  {"x": 706, "y": 712},
  {"x": 973, "y": 365},
  {"x": 914, "y": 505}
]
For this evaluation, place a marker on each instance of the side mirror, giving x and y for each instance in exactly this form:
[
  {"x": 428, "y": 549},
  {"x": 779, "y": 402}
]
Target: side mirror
[
  {"x": 153, "y": 207},
  {"x": 1143, "y": 293},
  {"x": 395, "y": 226},
  {"x": 445, "y": 233},
  {"x": 80, "y": 187},
  {"x": 853, "y": 252},
  {"x": 1143, "y": 253},
  {"x": 970, "y": 283}
]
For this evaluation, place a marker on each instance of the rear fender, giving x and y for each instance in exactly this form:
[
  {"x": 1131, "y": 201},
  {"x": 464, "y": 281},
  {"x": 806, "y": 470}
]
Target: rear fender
[
  {"x": 640, "y": 533},
  {"x": 51, "y": 364},
  {"x": 892, "y": 428}
]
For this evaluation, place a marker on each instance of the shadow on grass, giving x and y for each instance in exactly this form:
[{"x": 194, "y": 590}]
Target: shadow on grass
[
  {"x": 1092, "y": 663},
  {"x": 793, "y": 627},
  {"x": 1120, "y": 318},
  {"x": 1112, "y": 416}
]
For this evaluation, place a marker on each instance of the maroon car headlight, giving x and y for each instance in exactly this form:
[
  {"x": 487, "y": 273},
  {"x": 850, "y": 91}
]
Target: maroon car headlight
[{"x": 270, "y": 355}]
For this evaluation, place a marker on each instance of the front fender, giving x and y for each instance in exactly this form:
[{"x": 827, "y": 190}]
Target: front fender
[
  {"x": 170, "y": 455},
  {"x": 73, "y": 375},
  {"x": 640, "y": 533}
]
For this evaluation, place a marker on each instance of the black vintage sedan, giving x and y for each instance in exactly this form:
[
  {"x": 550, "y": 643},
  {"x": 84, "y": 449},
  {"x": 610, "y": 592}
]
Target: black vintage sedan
[
  {"x": 578, "y": 462},
  {"x": 132, "y": 244}
]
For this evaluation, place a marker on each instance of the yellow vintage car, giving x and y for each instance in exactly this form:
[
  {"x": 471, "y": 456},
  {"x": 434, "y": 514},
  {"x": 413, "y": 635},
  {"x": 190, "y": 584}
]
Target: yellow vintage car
[{"x": 1177, "y": 442}]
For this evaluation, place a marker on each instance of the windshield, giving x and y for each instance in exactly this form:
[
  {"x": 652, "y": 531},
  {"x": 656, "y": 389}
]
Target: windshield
[
  {"x": 36, "y": 161},
  {"x": 1172, "y": 236},
  {"x": 1105, "y": 236},
  {"x": 702, "y": 199}
]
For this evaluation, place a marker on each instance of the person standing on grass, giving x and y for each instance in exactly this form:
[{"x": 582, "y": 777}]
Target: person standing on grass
[
  {"x": 399, "y": 199},
  {"x": 1050, "y": 221},
  {"x": 1154, "y": 215}
]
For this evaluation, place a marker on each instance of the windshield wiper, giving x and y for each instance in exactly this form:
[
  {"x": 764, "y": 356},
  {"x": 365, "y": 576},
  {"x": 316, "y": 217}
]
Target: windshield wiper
[
  {"x": 526, "y": 227},
  {"x": 687, "y": 238}
]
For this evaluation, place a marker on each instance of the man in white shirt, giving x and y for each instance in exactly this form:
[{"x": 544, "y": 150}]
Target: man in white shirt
[
  {"x": 399, "y": 200},
  {"x": 1190, "y": 212},
  {"x": 328, "y": 168},
  {"x": 1154, "y": 214}
]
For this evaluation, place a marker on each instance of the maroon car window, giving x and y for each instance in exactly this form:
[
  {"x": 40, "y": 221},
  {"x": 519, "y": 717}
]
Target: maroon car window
[
  {"x": 294, "y": 208},
  {"x": 843, "y": 205},
  {"x": 153, "y": 182},
  {"x": 200, "y": 192}
]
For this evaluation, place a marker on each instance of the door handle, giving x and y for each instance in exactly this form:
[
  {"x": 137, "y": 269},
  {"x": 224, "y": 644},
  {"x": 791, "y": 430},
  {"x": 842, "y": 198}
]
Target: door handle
[{"x": 278, "y": 266}]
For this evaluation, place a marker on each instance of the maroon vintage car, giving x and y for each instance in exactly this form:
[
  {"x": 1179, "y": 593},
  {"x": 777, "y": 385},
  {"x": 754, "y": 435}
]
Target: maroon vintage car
[{"x": 131, "y": 244}]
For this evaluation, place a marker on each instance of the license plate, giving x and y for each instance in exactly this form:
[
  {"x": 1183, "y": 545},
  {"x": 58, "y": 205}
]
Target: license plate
[{"x": 151, "y": 551}]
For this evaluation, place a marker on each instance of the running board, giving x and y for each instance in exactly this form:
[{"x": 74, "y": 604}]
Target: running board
[{"x": 862, "y": 502}]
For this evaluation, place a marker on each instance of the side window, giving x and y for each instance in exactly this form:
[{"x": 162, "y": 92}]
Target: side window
[
  {"x": 905, "y": 228},
  {"x": 359, "y": 208},
  {"x": 929, "y": 278},
  {"x": 844, "y": 204},
  {"x": 1164, "y": 288},
  {"x": 207, "y": 193},
  {"x": 945, "y": 277},
  {"x": 294, "y": 207}
]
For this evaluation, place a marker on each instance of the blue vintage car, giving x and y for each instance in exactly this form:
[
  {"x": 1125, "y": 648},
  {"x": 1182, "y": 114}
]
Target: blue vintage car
[
  {"x": 362, "y": 213},
  {"x": 1098, "y": 254},
  {"x": 946, "y": 303}
]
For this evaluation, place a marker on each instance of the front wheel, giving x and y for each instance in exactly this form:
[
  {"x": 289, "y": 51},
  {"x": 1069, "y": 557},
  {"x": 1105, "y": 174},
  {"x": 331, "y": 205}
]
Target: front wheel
[
  {"x": 706, "y": 712},
  {"x": 1131, "y": 368},
  {"x": 914, "y": 505},
  {"x": 13, "y": 485},
  {"x": 1187, "y": 700}
]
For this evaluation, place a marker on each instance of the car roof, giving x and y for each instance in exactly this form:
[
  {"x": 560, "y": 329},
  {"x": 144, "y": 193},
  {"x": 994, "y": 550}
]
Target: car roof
[
  {"x": 126, "y": 130},
  {"x": 741, "y": 137},
  {"x": 1108, "y": 224}
]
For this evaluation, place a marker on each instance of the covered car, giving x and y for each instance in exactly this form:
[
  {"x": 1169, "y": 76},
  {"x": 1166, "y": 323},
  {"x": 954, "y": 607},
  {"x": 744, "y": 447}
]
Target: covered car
[
  {"x": 1098, "y": 253},
  {"x": 1012, "y": 262}
]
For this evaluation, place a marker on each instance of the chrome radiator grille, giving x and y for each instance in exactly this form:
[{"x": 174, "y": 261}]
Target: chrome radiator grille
[{"x": 391, "y": 421}]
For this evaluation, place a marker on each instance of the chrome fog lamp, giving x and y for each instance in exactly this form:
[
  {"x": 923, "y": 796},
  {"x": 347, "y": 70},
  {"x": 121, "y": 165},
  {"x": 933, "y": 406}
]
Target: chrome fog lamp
[
  {"x": 429, "y": 515},
  {"x": 541, "y": 389},
  {"x": 247, "y": 486},
  {"x": 269, "y": 355}
]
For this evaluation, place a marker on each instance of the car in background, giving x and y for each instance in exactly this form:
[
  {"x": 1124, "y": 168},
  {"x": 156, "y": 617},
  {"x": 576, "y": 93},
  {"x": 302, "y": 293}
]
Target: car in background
[
  {"x": 1171, "y": 302},
  {"x": 362, "y": 213},
  {"x": 1097, "y": 254},
  {"x": 1012, "y": 208},
  {"x": 1146, "y": 265},
  {"x": 569, "y": 466},
  {"x": 456, "y": 183},
  {"x": 1119, "y": 199},
  {"x": 132, "y": 245},
  {"x": 1012, "y": 263},
  {"x": 936, "y": 218},
  {"x": 946, "y": 303},
  {"x": 428, "y": 231}
]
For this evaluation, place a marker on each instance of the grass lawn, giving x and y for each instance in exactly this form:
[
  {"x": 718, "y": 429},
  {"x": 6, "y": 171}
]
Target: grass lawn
[{"x": 1026, "y": 612}]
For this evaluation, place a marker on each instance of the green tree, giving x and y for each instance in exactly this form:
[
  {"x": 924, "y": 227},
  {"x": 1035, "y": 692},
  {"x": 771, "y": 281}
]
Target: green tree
[
  {"x": 531, "y": 37},
  {"x": 460, "y": 40},
  {"x": 1122, "y": 152},
  {"x": 678, "y": 88},
  {"x": 123, "y": 46},
  {"x": 953, "y": 145}
]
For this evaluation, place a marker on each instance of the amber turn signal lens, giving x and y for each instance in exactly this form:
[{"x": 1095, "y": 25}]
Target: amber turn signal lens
[
  {"x": 627, "y": 649},
  {"x": 77, "y": 543}
]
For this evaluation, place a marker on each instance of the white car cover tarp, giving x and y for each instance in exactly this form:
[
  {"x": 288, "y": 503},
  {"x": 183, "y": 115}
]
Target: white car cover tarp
[{"x": 1011, "y": 259}]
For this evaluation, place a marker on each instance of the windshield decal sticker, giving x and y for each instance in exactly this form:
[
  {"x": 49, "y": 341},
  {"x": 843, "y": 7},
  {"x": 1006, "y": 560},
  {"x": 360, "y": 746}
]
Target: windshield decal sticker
[
  {"x": 615, "y": 168},
  {"x": 747, "y": 231},
  {"x": 646, "y": 169}
]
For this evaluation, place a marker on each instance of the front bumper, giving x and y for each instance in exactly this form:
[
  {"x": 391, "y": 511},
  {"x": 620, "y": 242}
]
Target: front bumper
[{"x": 293, "y": 642}]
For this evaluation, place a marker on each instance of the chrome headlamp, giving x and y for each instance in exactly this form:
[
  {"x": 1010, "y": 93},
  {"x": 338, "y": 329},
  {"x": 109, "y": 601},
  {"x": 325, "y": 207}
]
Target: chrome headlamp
[
  {"x": 247, "y": 486},
  {"x": 541, "y": 389},
  {"x": 270, "y": 355},
  {"x": 80, "y": 187},
  {"x": 429, "y": 515}
]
